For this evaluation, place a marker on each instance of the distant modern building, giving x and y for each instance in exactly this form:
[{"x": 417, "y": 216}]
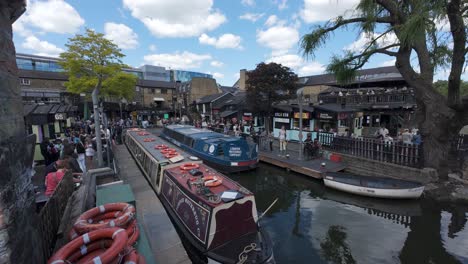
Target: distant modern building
[
  {"x": 154, "y": 73},
  {"x": 187, "y": 76}
]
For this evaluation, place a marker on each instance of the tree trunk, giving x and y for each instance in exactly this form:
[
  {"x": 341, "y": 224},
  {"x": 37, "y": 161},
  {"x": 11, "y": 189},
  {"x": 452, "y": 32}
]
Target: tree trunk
[{"x": 97, "y": 124}]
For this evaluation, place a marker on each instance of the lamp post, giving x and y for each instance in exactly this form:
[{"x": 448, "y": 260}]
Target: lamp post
[{"x": 300, "y": 93}]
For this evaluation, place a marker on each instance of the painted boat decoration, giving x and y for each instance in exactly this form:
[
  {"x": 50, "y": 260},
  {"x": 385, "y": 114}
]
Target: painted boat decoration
[
  {"x": 225, "y": 153},
  {"x": 216, "y": 217},
  {"x": 374, "y": 186}
]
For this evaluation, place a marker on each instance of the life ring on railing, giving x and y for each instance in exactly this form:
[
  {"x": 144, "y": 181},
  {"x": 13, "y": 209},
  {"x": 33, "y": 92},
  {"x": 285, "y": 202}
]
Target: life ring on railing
[
  {"x": 212, "y": 181},
  {"x": 161, "y": 147},
  {"x": 171, "y": 155},
  {"x": 149, "y": 139},
  {"x": 189, "y": 166},
  {"x": 85, "y": 222},
  {"x": 119, "y": 242}
]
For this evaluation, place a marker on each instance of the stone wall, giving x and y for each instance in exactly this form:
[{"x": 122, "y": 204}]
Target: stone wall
[
  {"x": 201, "y": 87},
  {"x": 19, "y": 235},
  {"x": 367, "y": 167}
]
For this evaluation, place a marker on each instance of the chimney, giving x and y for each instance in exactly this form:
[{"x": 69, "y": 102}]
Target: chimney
[{"x": 242, "y": 79}]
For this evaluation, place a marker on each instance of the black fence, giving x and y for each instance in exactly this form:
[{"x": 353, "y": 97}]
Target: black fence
[{"x": 385, "y": 151}]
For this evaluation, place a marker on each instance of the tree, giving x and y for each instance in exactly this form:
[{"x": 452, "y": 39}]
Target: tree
[
  {"x": 412, "y": 32},
  {"x": 93, "y": 64},
  {"x": 268, "y": 84},
  {"x": 442, "y": 87}
]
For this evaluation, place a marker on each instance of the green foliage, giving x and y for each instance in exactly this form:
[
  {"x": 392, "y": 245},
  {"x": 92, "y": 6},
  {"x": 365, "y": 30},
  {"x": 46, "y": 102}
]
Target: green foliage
[
  {"x": 442, "y": 87},
  {"x": 94, "y": 62},
  {"x": 267, "y": 84}
]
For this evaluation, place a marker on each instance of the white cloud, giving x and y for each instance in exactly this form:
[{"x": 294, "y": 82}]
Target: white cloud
[
  {"x": 225, "y": 41},
  {"x": 218, "y": 75},
  {"x": 278, "y": 38},
  {"x": 324, "y": 10},
  {"x": 252, "y": 16},
  {"x": 364, "y": 39},
  {"x": 388, "y": 63},
  {"x": 216, "y": 64},
  {"x": 167, "y": 19},
  {"x": 121, "y": 35},
  {"x": 236, "y": 76},
  {"x": 56, "y": 16},
  {"x": 177, "y": 60},
  {"x": 271, "y": 20},
  {"x": 248, "y": 2},
  {"x": 282, "y": 4},
  {"x": 298, "y": 64},
  {"x": 152, "y": 47},
  {"x": 41, "y": 47}
]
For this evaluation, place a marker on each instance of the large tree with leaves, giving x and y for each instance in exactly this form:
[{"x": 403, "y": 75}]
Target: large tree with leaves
[
  {"x": 93, "y": 64},
  {"x": 268, "y": 84},
  {"x": 421, "y": 45}
]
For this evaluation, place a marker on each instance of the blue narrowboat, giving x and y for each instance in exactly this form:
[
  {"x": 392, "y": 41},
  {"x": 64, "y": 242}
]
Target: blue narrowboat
[{"x": 222, "y": 152}]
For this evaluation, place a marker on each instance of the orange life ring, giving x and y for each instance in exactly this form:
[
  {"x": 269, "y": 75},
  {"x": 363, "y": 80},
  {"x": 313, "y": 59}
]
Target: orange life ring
[
  {"x": 119, "y": 242},
  {"x": 171, "y": 155},
  {"x": 212, "y": 181},
  {"x": 189, "y": 166},
  {"x": 165, "y": 151},
  {"x": 143, "y": 133},
  {"x": 85, "y": 222},
  {"x": 149, "y": 139},
  {"x": 161, "y": 147}
]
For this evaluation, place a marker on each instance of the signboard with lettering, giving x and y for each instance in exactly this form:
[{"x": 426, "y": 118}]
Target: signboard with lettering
[
  {"x": 60, "y": 116},
  {"x": 305, "y": 115},
  {"x": 325, "y": 116},
  {"x": 194, "y": 216},
  {"x": 281, "y": 120},
  {"x": 235, "y": 152},
  {"x": 247, "y": 114},
  {"x": 281, "y": 114}
]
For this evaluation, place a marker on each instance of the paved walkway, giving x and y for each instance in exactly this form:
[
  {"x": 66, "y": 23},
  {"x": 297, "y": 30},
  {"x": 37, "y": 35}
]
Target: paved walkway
[{"x": 164, "y": 240}]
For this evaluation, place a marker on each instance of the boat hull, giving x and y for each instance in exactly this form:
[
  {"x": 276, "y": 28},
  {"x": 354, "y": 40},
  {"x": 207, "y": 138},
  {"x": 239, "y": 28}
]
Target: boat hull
[{"x": 409, "y": 193}]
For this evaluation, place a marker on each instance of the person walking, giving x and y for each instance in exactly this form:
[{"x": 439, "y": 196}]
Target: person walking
[
  {"x": 81, "y": 151},
  {"x": 89, "y": 152},
  {"x": 45, "y": 153},
  {"x": 283, "y": 141},
  {"x": 271, "y": 139}
]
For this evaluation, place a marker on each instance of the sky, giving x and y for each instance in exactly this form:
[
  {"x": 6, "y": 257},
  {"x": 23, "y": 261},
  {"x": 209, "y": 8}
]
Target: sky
[{"x": 216, "y": 37}]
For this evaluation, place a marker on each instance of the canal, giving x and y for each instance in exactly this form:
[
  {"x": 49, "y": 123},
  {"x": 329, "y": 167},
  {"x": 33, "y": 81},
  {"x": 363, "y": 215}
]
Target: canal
[{"x": 313, "y": 224}]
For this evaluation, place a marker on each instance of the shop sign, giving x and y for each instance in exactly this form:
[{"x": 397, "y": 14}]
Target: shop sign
[
  {"x": 281, "y": 114},
  {"x": 60, "y": 116},
  {"x": 325, "y": 116},
  {"x": 305, "y": 115},
  {"x": 247, "y": 114},
  {"x": 281, "y": 120}
]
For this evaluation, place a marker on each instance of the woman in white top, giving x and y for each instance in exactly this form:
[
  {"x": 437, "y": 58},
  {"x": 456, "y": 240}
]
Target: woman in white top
[
  {"x": 89, "y": 152},
  {"x": 282, "y": 140}
]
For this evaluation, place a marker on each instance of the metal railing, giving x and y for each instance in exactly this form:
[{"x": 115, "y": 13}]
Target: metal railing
[{"x": 384, "y": 151}]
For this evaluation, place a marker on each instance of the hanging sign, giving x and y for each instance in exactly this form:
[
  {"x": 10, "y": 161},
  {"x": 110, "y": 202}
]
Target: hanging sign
[{"x": 305, "y": 115}]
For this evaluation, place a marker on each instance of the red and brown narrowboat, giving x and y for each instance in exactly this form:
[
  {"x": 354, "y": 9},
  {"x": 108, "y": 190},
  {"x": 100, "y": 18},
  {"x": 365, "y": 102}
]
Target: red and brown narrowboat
[{"x": 216, "y": 217}]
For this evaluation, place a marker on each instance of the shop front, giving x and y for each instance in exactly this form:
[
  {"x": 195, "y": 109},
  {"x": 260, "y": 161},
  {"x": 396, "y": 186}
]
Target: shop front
[{"x": 326, "y": 121}]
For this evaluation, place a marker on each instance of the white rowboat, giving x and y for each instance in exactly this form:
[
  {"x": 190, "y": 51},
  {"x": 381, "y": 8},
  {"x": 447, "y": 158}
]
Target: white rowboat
[{"x": 374, "y": 186}]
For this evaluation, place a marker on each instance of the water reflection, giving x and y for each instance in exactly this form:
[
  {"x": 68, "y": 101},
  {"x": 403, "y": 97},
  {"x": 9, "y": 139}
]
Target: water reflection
[{"x": 313, "y": 224}]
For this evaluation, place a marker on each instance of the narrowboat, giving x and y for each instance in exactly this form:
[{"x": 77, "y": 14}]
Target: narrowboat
[
  {"x": 216, "y": 217},
  {"x": 225, "y": 153},
  {"x": 374, "y": 186}
]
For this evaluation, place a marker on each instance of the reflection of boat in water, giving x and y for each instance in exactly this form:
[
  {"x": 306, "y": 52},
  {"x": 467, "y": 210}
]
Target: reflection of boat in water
[
  {"x": 222, "y": 152},
  {"x": 374, "y": 186},
  {"x": 216, "y": 216}
]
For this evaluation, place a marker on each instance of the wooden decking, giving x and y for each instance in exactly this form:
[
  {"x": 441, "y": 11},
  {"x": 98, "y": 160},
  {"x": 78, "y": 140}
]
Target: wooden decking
[{"x": 311, "y": 168}]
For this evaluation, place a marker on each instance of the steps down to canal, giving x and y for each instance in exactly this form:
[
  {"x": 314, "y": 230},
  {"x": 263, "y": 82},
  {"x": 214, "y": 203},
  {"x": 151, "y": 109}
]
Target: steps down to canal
[{"x": 165, "y": 243}]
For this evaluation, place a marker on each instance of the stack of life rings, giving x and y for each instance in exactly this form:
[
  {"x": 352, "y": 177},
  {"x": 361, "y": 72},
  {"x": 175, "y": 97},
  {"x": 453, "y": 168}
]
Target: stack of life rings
[
  {"x": 166, "y": 151},
  {"x": 105, "y": 234},
  {"x": 149, "y": 139}
]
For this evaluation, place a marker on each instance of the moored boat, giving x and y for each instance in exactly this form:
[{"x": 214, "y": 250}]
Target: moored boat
[
  {"x": 225, "y": 153},
  {"x": 216, "y": 217},
  {"x": 374, "y": 186}
]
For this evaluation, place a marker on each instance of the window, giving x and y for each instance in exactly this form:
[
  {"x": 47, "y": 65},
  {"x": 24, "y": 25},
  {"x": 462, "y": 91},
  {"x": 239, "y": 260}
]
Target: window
[
  {"x": 25, "y": 81},
  {"x": 152, "y": 91},
  {"x": 164, "y": 91}
]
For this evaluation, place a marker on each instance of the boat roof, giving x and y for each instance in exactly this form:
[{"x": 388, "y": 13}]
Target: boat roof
[
  {"x": 227, "y": 185},
  {"x": 201, "y": 133},
  {"x": 150, "y": 146}
]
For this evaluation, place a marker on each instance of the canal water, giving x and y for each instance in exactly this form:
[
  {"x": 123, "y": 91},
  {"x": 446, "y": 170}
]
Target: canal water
[{"x": 313, "y": 224}]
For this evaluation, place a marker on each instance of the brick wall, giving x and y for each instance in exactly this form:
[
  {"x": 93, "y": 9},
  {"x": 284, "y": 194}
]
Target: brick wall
[
  {"x": 19, "y": 236},
  {"x": 367, "y": 167}
]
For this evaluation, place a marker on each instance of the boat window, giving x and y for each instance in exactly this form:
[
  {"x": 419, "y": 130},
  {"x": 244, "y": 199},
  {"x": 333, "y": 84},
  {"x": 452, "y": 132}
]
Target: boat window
[
  {"x": 205, "y": 147},
  {"x": 220, "y": 151},
  {"x": 158, "y": 174}
]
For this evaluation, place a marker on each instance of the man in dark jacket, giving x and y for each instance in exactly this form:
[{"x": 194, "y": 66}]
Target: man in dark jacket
[{"x": 44, "y": 144}]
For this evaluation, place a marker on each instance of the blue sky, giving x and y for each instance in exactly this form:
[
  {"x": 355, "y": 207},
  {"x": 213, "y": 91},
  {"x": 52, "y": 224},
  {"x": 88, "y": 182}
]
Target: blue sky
[{"x": 217, "y": 37}]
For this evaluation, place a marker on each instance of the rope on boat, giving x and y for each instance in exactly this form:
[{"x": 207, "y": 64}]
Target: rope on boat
[{"x": 243, "y": 256}]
